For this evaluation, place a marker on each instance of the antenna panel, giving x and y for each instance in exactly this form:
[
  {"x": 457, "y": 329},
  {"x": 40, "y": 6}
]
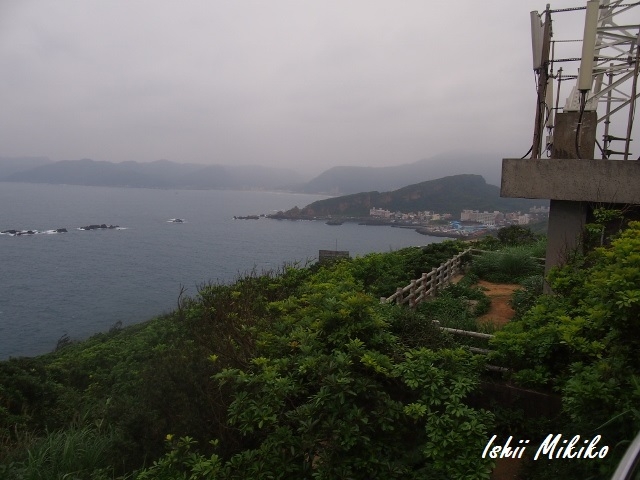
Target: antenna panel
[
  {"x": 537, "y": 37},
  {"x": 588, "y": 45}
]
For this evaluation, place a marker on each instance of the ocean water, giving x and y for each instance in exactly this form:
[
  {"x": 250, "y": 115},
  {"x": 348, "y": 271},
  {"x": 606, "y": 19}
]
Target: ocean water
[{"x": 82, "y": 282}]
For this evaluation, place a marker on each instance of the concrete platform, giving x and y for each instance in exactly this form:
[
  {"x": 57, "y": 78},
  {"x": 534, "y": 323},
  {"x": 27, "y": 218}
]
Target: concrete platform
[{"x": 606, "y": 181}]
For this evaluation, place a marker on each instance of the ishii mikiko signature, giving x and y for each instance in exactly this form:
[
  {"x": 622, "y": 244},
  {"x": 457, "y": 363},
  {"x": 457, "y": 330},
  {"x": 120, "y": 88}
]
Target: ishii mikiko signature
[{"x": 553, "y": 447}]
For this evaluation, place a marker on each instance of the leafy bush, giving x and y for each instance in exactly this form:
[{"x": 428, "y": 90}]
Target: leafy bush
[
  {"x": 539, "y": 248},
  {"x": 509, "y": 265},
  {"x": 488, "y": 242},
  {"x": 456, "y": 306},
  {"x": 515, "y": 235},
  {"x": 414, "y": 329},
  {"x": 471, "y": 295},
  {"x": 524, "y": 298},
  {"x": 604, "y": 224},
  {"x": 27, "y": 394},
  {"x": 332, "y": 393},
  {"x": 382, "y": 273},
  {"x": 584, "y": 341}
]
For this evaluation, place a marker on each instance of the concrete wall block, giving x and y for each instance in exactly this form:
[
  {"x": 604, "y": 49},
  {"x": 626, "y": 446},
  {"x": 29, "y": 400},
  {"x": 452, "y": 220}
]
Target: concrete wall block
[{"x": 605, "y": 181}]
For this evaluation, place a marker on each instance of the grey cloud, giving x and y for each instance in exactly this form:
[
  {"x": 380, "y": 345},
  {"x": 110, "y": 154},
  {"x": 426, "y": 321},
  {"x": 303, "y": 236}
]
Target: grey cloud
[{"x": 284, "y": 82}]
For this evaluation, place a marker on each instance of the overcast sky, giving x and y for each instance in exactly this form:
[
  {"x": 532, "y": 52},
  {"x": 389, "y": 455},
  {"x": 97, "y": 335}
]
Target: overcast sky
[{"x": 307, "y": 84}]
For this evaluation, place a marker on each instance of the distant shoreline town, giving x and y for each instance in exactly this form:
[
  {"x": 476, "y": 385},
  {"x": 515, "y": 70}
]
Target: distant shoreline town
[{"x": 472, "y": 223}]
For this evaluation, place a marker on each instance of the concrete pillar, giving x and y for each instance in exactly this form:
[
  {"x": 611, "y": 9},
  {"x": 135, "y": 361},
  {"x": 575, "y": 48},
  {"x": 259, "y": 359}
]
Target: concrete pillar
[
  {"x": 567, "y": 218},
  {"x": 566, "y": 224}
]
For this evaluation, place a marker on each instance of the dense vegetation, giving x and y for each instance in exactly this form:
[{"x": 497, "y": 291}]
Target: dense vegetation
[
  {"x": 303, "y": 373},
  {"x": 294, "y": 374},
  {"x": 444, "y": 195},
  {"x": 583, "y": 342}
]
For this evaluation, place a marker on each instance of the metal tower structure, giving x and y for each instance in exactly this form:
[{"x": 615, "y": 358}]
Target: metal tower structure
[
  {"x": 602, "y": 69},
  {"x": 604, "y": 72}
]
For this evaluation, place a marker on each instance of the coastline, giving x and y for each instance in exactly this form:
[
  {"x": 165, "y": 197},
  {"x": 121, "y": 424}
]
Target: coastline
[{"x": 422, "y": 229}]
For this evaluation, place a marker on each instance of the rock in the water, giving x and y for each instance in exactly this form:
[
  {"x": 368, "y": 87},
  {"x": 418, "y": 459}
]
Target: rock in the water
[{"x": 103, "y": 226}]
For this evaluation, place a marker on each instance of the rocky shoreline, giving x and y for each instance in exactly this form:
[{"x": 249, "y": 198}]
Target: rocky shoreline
[
  {"x": 379, "y": 222},
  {"x": 18, "y": 233}
]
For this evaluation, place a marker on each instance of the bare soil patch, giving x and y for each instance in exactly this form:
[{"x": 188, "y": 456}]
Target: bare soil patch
[
  {"x": 500, "y": 295},
  {"x": 507, "y": 469},
  {"x": 499, "y": 314}
]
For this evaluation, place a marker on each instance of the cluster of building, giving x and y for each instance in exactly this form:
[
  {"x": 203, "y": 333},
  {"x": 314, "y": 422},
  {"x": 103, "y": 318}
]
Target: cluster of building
[
  {"x": 471, "y": 221},
  {"x": 425, "y": 216},
  {"x": 496, "y": 218}
]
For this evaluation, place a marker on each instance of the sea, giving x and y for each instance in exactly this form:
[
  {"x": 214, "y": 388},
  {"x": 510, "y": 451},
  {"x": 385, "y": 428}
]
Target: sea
[{"x": 82, "y": 282}]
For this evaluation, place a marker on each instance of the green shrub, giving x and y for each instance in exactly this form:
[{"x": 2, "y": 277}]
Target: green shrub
[
  {"x": 515, "y": 235},
  {"x": 414, "y": 329},
  {"x": 382, "y": 273},
  {"x": 333, "y": 393},
  {"x": 584, "y": 342},
  {"x": 539, "y": 248},
  {"x": 509, "y": 265},
  {"x": 469, "y": 280},
  {"x": 488, "y": 242},
  {"x": 458, "y": 306},
  {"x": 524, "y": 298},
  {"x": 449, "y": 311}
]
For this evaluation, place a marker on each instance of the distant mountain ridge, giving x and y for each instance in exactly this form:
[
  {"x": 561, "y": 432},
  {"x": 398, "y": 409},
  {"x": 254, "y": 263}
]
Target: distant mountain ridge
[
  {"x": 450, "y": 194},
  {"x": 339, "y": 180},
  {"x": 158, "y": 174},
  {"x": 11, "y": 165},
  {"x": 343, "y": 180}
]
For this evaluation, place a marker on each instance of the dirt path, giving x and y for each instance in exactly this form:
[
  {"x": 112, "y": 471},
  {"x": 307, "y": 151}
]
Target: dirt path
[
  {"x": 499, "y": 314},
  {"x": 500, "y": 294}
]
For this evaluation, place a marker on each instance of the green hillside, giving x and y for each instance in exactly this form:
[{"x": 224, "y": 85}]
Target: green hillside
[{"x": 444, "y": 195}]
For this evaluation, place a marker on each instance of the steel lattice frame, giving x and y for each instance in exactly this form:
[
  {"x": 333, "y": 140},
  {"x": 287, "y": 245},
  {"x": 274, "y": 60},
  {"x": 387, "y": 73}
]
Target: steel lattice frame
[{"x": 615, "y": 70}]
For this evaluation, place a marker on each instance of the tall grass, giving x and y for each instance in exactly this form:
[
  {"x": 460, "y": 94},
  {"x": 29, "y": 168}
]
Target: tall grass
[
  {"x": 509, "y": 265},
  {"x": 76, "y": 453},
  {"x": 539, "y": 248},
  {"x": 449, "y": 312},
  {"x": 456, "y": 306}
]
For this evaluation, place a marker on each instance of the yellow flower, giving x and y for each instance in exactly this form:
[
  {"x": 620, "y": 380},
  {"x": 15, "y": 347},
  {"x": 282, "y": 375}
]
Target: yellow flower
[{"x": 169, "y": 437}]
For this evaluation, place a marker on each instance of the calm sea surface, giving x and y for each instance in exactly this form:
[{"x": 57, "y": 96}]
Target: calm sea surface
[{"x": 83, "y": 282}]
